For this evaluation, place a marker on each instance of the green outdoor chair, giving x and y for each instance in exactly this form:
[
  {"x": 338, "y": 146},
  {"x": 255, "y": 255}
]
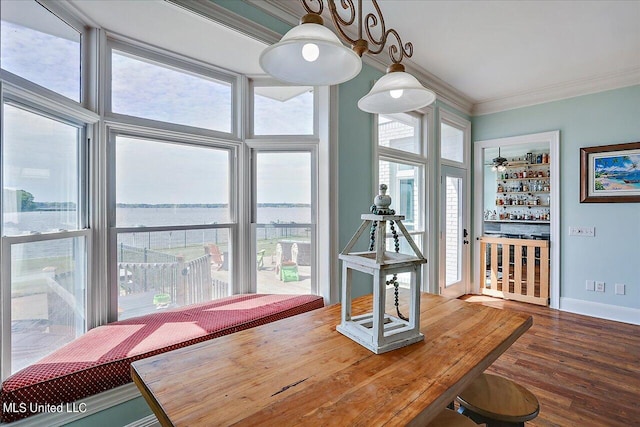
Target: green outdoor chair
[{"x": 260, "y": 259}]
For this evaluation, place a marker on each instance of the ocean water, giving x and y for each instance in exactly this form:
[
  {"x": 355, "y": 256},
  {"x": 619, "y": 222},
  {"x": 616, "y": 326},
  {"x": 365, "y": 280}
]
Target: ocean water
[
  {"x": 627, "y": 176},
  {"x": 48, "y": 221}
]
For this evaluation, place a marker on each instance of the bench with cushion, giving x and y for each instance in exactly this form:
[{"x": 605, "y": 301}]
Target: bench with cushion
[{"x": 100, "y": 359}]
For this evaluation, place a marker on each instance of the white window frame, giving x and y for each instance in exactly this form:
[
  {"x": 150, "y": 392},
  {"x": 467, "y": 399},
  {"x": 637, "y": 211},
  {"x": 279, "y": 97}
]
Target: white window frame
[
  {"x": 171, "y": 60},
  {"x": 257, "y": 147},
  {"x": 461, "y": 124},
  {"x": 39, "y": 101},
  {"x": 313, "y": 144},
  {"x": 266, "y": 82},
  {"x": 113, "y": 131},
  {"x": 454, "y": 120},
  {"x": 423, "y": 161},
  {"x": 93, "y": 110},
  {"x": 61, "y": 12},
  {"x": 138, "y": 127}
]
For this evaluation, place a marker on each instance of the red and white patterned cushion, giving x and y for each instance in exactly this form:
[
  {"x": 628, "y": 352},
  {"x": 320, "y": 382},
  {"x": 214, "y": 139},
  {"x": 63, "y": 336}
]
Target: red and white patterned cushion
[{"x": 100, "y": 359}]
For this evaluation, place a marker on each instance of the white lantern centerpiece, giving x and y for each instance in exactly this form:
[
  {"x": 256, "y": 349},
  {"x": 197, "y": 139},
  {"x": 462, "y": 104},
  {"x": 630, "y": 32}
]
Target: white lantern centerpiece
[{"x": 379, "y": 331}]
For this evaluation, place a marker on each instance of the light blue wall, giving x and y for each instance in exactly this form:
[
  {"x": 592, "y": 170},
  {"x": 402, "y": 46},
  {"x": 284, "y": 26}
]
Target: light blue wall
[
  {"x": 355, "y": 165},
  {"x": 613, "y": 255}
]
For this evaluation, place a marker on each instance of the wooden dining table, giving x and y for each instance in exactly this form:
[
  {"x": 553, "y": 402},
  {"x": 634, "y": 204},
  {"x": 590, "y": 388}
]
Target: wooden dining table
[{"x": 300, "y": 371}]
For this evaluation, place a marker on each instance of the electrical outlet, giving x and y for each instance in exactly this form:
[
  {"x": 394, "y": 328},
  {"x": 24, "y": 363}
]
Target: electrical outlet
[
  {"x": 582, "y": 231},
  {"x": 619, "y": 289},
  {"x": 591, "y": 285},
  {"x": 599, "y": 286}
]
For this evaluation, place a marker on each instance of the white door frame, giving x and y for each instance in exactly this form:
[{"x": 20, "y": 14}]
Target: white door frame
[
  {"x": 553, "y": 139},
  {"x": 462, "y": 286}
]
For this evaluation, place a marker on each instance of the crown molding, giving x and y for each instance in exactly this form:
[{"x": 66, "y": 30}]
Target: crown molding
[
  {"x": 288, "y": 12},
  {"x": 559, "y": 92},
  {"x": 444, "y": 91}
]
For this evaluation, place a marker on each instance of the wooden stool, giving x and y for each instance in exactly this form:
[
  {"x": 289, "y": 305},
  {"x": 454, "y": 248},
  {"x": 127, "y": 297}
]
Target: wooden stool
[
  {"x": 498, "y": 401},
  {"x": 449, "y": 418}
]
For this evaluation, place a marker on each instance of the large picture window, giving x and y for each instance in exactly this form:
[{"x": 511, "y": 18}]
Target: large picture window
[
  {"x": 44, "y": 238},
  {"x": 152, "y": 208},
  {"x": 173, "y": 220}
]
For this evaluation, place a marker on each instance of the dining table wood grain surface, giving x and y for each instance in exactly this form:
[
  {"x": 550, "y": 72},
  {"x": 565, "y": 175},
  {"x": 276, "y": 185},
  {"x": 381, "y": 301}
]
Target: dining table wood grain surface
[{"x": 300, "y": 371}]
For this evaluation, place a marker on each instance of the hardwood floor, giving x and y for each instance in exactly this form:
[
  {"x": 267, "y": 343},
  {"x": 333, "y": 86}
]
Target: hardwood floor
[{"x": 584, "y": 371}]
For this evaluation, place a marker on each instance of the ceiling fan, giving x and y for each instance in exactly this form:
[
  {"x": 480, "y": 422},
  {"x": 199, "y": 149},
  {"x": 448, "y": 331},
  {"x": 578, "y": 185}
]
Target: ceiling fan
[{"x": 499, "y": 163}]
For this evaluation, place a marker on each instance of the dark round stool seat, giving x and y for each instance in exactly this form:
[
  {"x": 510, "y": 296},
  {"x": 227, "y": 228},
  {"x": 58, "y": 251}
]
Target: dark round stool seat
[
  {"x": 450, "y": 418},
  {"x": 498, "y": 399}
]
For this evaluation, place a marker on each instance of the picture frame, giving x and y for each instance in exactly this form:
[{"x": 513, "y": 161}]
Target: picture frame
[{"x": 610, "y": 173}]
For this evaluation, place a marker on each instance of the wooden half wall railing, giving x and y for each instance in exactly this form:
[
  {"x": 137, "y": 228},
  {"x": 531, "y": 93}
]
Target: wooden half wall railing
[{"x": 516, "y": 269}]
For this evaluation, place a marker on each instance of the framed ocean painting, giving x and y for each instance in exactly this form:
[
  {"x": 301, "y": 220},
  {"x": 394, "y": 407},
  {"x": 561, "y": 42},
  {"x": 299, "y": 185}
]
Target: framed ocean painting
[{"x": 610, "y": 173}]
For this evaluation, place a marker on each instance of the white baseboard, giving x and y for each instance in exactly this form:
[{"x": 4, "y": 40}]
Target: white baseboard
[
  {"x": 148, "y": 421},
  {"x": 602, "y": 311}
]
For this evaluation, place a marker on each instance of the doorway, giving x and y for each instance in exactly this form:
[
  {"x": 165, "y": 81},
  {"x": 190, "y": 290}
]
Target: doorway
[
  {"x": 454, "y": 232},
  {"x": 530, "y": 211}
]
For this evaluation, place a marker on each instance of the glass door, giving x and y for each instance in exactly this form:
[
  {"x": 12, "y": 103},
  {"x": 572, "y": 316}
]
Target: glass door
[{"x": 454, "y": 232}]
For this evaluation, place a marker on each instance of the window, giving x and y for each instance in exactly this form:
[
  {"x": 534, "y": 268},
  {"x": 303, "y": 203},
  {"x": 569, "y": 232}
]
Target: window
[
  {"x": 283, "y": 110},
  {"x": 400, "y": 132},
  {"x": 402, "y": 181},
  {"x": 173, "y": 224},
  {"x": 181, "y": 184},
  {"x": 284, "y": 188},
  {"x": 149, "y": 89},
  {"x": 48, "y": 305},
  {"x": 402, "y": 166},
  {"x": 44, "y": 235},
  {"x": 453, "y": 225},
  {"x": 170, "y": 166},
  {"x": 37, "y": 46},
  {"x": 176, "y": 216},
  {"x": 454, "y": 139},
  {"x": 41, "y": 160},
  {"x": 407, "y": 196},
  {"x": 285, "y": 223}
]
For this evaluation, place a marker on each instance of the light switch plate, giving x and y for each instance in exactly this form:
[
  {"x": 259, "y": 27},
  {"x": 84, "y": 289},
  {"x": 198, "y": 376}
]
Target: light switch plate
[
  {"x": 582, "y": 231},
  {"x": 619, "y": 289}
]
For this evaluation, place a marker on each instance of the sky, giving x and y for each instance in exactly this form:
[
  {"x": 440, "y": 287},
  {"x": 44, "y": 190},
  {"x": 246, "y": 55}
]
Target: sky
[
  {"x": 617, "y": 162},
  {"x": 40, "y": 154}
]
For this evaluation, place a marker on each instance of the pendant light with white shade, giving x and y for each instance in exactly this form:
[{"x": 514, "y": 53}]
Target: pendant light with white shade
[
  {"x": 308, "y": 54},
  {"x": 396, "y": 92},
  {"x": 311, "y": 54}
]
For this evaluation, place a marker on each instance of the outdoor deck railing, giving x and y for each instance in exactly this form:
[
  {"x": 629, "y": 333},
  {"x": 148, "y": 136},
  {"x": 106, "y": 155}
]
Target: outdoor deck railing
[{"x": 185, "y": 282}]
